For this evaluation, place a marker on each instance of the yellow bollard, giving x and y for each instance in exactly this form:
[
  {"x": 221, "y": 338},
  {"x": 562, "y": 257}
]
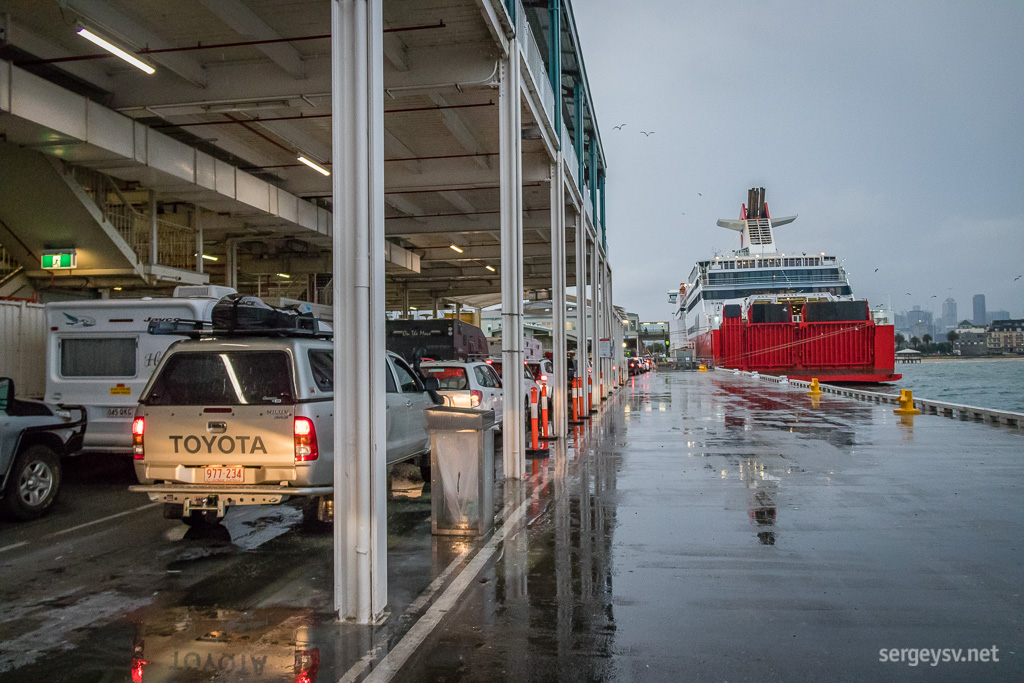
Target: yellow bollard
[
  {"x": 906, "y": 404},
  {"x": 702, "y": 368},
  {"x": 815, "y": 389}
]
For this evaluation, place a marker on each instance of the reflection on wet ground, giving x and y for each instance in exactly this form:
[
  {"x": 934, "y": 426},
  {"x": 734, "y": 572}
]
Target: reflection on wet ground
[
  {"x": 719, "y": 528},
  {"x": 702, "y": 526}
]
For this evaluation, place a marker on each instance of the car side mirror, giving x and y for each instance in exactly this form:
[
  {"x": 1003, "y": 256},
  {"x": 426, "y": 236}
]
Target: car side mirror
[
  {"x": 431, "y": 384},
  {"x": 6, "y": 392}
]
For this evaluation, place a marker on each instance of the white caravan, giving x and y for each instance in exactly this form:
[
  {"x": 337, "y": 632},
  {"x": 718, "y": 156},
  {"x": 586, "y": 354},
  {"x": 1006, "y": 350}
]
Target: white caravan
[{"x": 99, "y": 354}]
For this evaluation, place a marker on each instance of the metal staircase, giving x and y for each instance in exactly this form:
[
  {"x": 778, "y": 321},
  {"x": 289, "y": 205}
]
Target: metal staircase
[{"x": 176, "y": 244}]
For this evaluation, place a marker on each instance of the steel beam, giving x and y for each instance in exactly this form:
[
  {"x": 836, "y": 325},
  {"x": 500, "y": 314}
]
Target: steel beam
[
  {"x": 595, "y": 317},
  {"x": 245, "y": 22},
  {"x": 581, "y": 296},
  {"x": 357, "y": 131},
  {"x": 559, "y": 417},
  {"x": 510, "y": 175}
]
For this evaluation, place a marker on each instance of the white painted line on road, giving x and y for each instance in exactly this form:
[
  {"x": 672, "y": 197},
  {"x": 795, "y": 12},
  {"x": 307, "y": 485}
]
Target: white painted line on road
[
  {"x": 13, "y": 546},
  {"x": 104, "y": 519},
  {"x": 394, "y": 660},
  {"x": 435, "y": 585}
]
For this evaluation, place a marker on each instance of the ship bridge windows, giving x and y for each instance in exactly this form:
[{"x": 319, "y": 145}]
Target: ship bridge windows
[
  {"x": 776, "y": 276},
  {"x": 727, "y": 294}
]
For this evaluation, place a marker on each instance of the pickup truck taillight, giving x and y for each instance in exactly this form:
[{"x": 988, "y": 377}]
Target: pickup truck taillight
[
  {"x": 475, "y": 398},
  {"x": 305, "y": 440},
  {"x": 138, "y": 430}
]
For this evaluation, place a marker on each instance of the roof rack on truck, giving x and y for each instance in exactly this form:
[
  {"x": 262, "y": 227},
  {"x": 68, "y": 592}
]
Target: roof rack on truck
[{"x": 239, "y": 315}]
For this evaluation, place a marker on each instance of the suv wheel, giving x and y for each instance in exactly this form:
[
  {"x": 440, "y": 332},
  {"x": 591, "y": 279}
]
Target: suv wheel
[
  {"x": 33, "y": 483},
  {"x": 202, "y": 519}
]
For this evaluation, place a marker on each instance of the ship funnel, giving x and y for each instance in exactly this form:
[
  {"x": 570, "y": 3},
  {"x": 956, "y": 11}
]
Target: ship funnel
[
  {"x": 756, "y": 225},
  {"x": 755, "y": 203}
]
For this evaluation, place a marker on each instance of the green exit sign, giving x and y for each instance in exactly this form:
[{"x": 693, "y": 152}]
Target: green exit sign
[{"x": 62, "y": 260}]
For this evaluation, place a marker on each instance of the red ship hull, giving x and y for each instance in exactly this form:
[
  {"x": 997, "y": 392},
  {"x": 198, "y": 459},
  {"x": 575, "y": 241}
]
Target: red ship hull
[{"x": 844, "y": 351}]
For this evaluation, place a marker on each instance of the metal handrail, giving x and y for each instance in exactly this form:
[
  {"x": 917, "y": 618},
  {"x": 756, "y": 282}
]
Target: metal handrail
[
  {"x": 176, "y": 245},
  {"x": 8, "y": 264},
  {"x": 535, "y": 63}
]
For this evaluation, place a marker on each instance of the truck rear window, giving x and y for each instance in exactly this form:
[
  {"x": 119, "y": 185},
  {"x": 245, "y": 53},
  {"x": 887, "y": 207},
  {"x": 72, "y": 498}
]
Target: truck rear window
[
  {"x": 110, "y": 357},
  {"x": 448, "y": 377},
  {"x": 223, "y": 378}
]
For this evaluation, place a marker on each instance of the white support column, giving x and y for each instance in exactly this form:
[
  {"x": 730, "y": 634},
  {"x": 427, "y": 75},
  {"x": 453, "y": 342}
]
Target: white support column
[
  {"x": 559, "y": 416},
  {"x": 581, "y": 298},
  {"x": 596, "y": 317},
  {"x": 511, "y": 183},
  {"x": 197, "y": 216},
  {"x": 231, "y": 269},
  {"x": 613, "y": 363},
  {"x": 357, "y": 129},
  {"x": 154, "y": 230}
]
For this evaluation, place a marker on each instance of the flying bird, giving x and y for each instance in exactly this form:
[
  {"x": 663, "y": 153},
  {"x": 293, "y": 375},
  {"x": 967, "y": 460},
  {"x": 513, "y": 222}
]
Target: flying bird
[
  {"x": 699, "y": 194},
  {"x": 1016, "y": 278},
  {"x": 618, "y": 127},
  {"x": 646, "y": 134},
  {"x": 876, "y": 270},
  {"x": 934, "y": 296}
]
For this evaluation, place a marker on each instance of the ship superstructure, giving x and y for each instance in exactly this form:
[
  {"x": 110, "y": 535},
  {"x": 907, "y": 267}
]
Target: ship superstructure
[{"x": 758, "y": 285}]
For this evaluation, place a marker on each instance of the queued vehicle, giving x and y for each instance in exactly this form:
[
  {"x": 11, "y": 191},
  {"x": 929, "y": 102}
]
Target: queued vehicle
[
  {"x": 543, "y": 370},
  {"x": 467, "y": 384},
  {"x": 34, "y": 437},
  {"x": 247, "y": 418},
  {"x": 529, "y": 383}
]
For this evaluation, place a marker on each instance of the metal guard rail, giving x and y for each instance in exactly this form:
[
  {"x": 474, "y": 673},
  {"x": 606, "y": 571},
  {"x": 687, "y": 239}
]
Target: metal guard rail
[{"x": 927, "y": 406}]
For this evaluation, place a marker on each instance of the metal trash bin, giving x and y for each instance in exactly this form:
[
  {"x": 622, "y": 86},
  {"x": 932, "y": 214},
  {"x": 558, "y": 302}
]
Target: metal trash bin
[{"x": 461, "y": 470}]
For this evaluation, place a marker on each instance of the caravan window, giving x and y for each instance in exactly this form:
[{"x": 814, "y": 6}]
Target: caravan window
[{"x": 111, "y": 357}]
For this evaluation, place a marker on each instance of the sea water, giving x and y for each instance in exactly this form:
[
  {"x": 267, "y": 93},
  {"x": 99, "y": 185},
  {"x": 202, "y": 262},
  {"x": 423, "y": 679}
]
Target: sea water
[{"x": 984, "y": 383}]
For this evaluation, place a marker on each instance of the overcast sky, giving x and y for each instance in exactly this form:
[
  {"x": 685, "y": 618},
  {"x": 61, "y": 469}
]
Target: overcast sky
[{"x": 894, "y": 129}]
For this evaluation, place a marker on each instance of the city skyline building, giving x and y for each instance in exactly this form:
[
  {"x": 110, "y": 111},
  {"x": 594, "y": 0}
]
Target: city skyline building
[{"x": 979, "y": 310}]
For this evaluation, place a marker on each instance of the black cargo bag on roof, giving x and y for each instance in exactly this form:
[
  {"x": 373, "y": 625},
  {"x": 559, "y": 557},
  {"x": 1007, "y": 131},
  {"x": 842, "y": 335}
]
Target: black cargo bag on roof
[{"x": 242, "y": 312}]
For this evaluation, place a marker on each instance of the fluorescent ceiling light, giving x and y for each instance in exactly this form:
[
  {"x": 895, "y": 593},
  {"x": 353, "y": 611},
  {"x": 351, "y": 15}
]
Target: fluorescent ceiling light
[
  {"x": 490, "y": 268},
  {"x": 115, "y": 50},
  {"x": 285, "y": 275},
  {"x": 209, "y": 258},
  {"x": 413, "y": 308},
  {"x": 315, "y": 166},
  {"x": 455, "y": 247}
]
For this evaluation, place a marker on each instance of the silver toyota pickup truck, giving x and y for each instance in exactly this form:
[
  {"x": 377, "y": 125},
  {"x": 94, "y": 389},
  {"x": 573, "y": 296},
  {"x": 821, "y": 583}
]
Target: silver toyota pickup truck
[{"x": 249, "y": 420}]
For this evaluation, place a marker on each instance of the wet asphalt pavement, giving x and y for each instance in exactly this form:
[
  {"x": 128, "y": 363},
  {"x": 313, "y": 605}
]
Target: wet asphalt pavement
[{"x": 701, "y": 527}]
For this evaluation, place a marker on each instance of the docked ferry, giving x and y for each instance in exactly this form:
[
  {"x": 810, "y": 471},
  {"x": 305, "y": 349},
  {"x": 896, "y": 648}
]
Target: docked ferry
[{"x": 790, "y": 314}]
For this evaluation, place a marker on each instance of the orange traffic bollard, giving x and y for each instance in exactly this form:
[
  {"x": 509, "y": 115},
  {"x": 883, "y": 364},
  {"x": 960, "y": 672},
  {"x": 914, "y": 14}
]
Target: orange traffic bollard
[
  {"x": 602, "y": 385},
  {"x": 533, "y": 417},
  {"x": 544, "y": 410},
  {"x": 575, "y": 402}
]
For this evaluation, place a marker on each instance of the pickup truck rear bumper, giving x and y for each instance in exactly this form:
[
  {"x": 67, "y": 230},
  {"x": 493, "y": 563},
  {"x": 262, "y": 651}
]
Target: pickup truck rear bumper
[{"x": 204, "y": 497}]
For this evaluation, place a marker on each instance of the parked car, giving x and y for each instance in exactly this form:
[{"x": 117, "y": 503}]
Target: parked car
[
  {"x": 34, "y": 436},
  {"x": 543, "y": 372},
  {"x": 248, "y": 420},
  {"x": 467, "y": 384},
  {"x": 528, "y": 382}
]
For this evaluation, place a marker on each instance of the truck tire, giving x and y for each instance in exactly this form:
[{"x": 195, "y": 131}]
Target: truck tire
[
  {"x": 311, "y": 516},
  {"x": 33, "y": 484},
  {"x": 201, "y": 519}
]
